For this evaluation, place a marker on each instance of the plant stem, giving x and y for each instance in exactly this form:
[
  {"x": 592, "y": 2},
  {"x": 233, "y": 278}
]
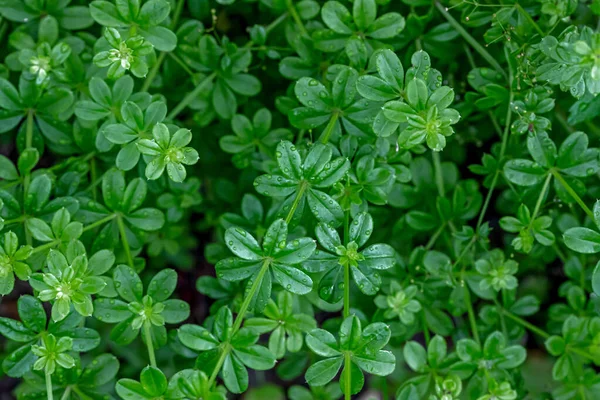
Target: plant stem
[
  {"x": 177, "y": 14},
  {"x": 45, "y": 246},
  {"x": 426, "y": 333},
  {"x": 528, "y": 18},
  {"x": 27, "y": 177},
  {"x": 239, "y": 319},
  {"x": 348, "y": 380},
  {"x": 296, "y": 17},
  {"x": 435, "y": 236},
  {"x": 181, "y": 63},
  {"x": 161, "y": 57},
  {"x": 346, "y": 267},
  {"x": 571, "y": 192},
  {"x": 471, "y": 313},
  {"x": 191, "y": 96},
  {"x": 541, "y": 197},
  {"x": 93, "y": 177},
  {"x": 218, "y": 365},
  {"x": 152, "y": 74},
  {"x": 66, "y": 394},
  {"x": 99, "y": 222},
  {"x": 124, "y": 241},
  {"x": 297, "y": 199},
  {"x": 488, "y": 197},
  {"x": 250, "y": 295},
  {"x": 545, "y": 334},
  {"x": 439, "y": 178},
  {"x": 275, "y": 23},
  {"x": 469, "y": 39},
  {"x": 329, "y": 128},
  {"x": 149, "y": 344},
  {"x": 526, "y": 324},
  {"x": 49, "y": 392}
]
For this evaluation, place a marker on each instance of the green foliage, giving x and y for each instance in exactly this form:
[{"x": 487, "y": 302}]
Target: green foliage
[{"x": 348, "y": 198}]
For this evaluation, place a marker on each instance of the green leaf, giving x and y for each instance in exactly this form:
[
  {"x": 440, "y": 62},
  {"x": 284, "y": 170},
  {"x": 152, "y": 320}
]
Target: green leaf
[
  {"x": 381, "y": 363},
  {"x": 324, "y": 208},
  {"x": 364, "y": 12},
  {"x": 128, "y": 283},
  {"x": 415, "y": 356},
  {"x": 15, "y": 330},
  {"x": 130, "y": 389},
  {"x": 105, "y": 13},
  {"x": 196, "y": 337},
  {"x": 524, "y": 172},
  {"x": 111, "y": 311},
  {"x": 292, "y": 279},
  {"x": 337, "y": 17},
  {"x": 19, "y": 362},
  {"x": 313, "y": 94},
  {"x": 256, "y": 357},
  {"x": 322, "y": 343},
  {"x": 242, "y": 244},
  {"x": 153, "y": 381},
  {"x": 235, "y": 375},
  {"x": 147, "y": 219},
  {"x": 289, "y": 160},
  {"x": 162, "y": 285},
  {"x": 322, "y": 372},
  {"x": 32, "y": 313},
  {"x": 582, "y": 240}
]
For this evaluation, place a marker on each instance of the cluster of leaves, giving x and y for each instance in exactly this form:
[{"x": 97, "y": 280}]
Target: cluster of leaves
[{"x": 200, "y": 196}]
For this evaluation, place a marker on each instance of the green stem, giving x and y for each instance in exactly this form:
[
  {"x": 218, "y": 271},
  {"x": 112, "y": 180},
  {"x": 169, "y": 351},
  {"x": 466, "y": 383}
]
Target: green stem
[
  {"x": 346, "y": 267},
  {"x": 14, "y": 220},
  {"x": 571, "y": 192},
  {"x": 27, "y": 177},
  {"x": 85, "y": 228},
  {"x": 250, "y": 295},
  {"x": 297, "y": 199},
  {"x": 540, "y": 199},
  {"x": 181, "y": 63},
  {"x": 149, "y": 344},
  {"x": 177, "y": 14},
  {"x": 471, "y": 313},
  {"x": 526, "y": 324},
  {"x": 505, "y": 135},
  {"x": 93, "y": 177},
  {"x": 499, "y": 310},
  {"x": 469, "y": 39},
  {"x": 218, "y": 365},
  {"x": 426, "y": 332},
  {"x": 3, "y": 28},
  {"x": 124, "y": 241},
  {"x": 275, "y": 23},
  {"x": 161, "y": 57},
  {"x": 329, "y": 128},
  {"x": 528, "y": 18},
  {"x": 439, "y": 178},
  {"x": 99, "y": 222},
  {"x": 152, "y": 74},
  {"x": 46, "y": 246},
  {"x": 66, "y": 394},
  {"x": 545, "y": 334},
  {"x": 348, "y": 380},
  {"x": 435, "y": 236},
  {"x": 296, "y": 17},
  {"x": 191, "y": 96},
  {"x": 49, "y": 386},
  {"x": 239, "y": 319}
]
